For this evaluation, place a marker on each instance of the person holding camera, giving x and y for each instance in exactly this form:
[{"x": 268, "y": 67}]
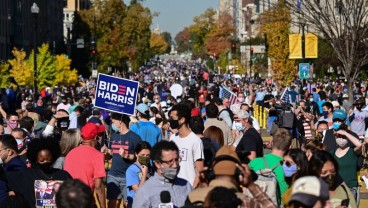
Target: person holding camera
[
  {"x": 227, "y": 171},
  {"x": 304, "y": 122}
]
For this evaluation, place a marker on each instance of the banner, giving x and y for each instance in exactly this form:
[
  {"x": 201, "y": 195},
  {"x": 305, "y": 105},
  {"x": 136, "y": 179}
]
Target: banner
[
  {"x": 295, "y": 46},
  {"x": 116, "y": 94},
  {"x": 311, "y": 46}
]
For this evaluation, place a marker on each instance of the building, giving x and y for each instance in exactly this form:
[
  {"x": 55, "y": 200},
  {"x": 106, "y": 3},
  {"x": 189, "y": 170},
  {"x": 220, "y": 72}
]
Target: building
[
  {"x": 17, "y": 25},
  {"x": 71, "y": 6}
]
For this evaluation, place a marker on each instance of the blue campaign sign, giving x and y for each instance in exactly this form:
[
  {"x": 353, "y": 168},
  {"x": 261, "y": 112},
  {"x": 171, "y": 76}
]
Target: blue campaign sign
[
  {"x": 304, "y": 70},
  {"x": 116, "y": 94}
]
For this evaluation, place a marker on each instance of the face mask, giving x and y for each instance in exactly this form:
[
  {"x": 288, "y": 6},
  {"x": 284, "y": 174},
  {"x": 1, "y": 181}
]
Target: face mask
[
  {"x": 174, "y": 124},
  {"x": 341, "y": 142},
  {"x": 157, "y": 101},
  {"x": 151, "y": 114},
  {"x": 197, "y": 85},
  {"x": 143, "y": 160},
  {"x": 168, "y": 102},
  {"x": 170, "y": 173},
  {"x": 336, "y": 126},
  {"x": 114, "y": 127},
  {"x": 45, "y": 166},
  {"x": 239, "y": 126},
  {"x": 13, "y": 125},
  {"x": 330, "y": 180},
  {"x": 311, "y": 99},
  {"x": 289, "y": 171},
  {"x": 19, "y": 141},
  {"x": 178, "y": 100},
  {"x": 241, "y": 100},
  {"x": 325, "y": 113}
]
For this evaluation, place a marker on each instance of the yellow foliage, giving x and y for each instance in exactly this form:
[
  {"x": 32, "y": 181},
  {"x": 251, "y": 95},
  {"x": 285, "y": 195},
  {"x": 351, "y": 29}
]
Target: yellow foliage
[
  {"x": 158, "y": 44},
  {"x": 21, "y": 70},
  {"x": 276, "y": 24},
  {"x": 64, "y": 75}
]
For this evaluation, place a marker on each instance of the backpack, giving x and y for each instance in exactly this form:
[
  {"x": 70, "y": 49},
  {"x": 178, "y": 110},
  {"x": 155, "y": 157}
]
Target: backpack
[
  {"x": 209, "y": 151},
  {"x": 230, "y": 113},
  {"x": 268, "y": 183},
  {"x": 286, "y": 119}
]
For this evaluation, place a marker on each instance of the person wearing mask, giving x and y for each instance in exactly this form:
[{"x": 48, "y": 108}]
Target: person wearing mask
[
  {"x": 147, "y": 130},
  {"x": 323, "y": 165},
  {"x": 73, "y": 117},
  {"x": 156, "y": 102},
  {"x": 227, "y": 171},
  {"x": 9, "y": 160},
  {"x": 64, "y": 104},
  {"x": 121, "y": 148},
  {"x": 358, "y": 118},
  {"x": 166, "y": 163},
  {"x": 250, "y": 141},
  {"x": 190, "y": 145},
  {"x": 327, "y": 111},
  {"x": 240, "y": 100},
  {"x": 255, "y": 122},
  {"x": 86, "y": 163},
  {"x": 281, "y": 142},
  {"x": 12, "y": 120},
  {"x": 346, "y": 103},
  {"x": 212, "y": 112},
  {"x": 339, "y": 123},
  {"x": 42, "y": 153},
  {"x": 311, "y": 146},
  {"x": 313, "y": 106},
  {"x": 138, "y": 172}
]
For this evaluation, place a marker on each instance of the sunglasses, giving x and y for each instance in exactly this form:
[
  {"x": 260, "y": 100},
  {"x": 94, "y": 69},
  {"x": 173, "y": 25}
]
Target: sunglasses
[{"x": 288, "y": 164}]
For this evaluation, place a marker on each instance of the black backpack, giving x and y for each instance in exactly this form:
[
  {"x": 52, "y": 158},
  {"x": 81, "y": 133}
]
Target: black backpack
[
  {"x": 230, "y": 113},
  {"x": 209, "y": 151}
]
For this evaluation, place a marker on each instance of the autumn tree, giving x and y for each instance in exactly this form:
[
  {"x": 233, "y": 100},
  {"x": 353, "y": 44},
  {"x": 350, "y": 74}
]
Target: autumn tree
[
  {"x": 203, "y": 25},
  {"x": 63, "y": 73},
  {"x": 5, "y": 76},
  {"x": 168, "y": 39},
  {"x": 183, "y": 43},
  {"x": 218, "y": 39},
  {"x": 21, "y": 70},
  {"x": 45, "y": 66},
  {"x": 158, "y": 44},
  {"x": 276, "y": 25},
  {"x": 344, "y": 25}
]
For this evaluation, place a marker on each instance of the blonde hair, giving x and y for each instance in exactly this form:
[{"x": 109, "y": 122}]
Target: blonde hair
[{"x": 70, "y": 139}]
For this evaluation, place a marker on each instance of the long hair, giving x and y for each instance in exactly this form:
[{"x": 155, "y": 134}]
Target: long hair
[
  {"x": 70, "y": 139},
  {"x": 301, "y": 160}
]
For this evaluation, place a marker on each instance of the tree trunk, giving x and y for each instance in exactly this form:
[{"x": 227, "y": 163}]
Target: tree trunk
[{"x": 350, "y": 82}]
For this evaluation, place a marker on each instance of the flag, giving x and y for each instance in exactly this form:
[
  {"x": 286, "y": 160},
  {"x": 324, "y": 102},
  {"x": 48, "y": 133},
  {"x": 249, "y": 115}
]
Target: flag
[
  {"x": 226, "y": 93},
  {"x": 299, "y": 5},
  {"x": 285, "y": 98},
  {"x": 295, "y": 46}
]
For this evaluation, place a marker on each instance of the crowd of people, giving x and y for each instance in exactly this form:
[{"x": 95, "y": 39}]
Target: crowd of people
[{"x": 199, "y": 148}]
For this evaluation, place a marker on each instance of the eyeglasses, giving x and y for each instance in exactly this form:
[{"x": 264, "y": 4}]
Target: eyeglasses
[{"x": 171, "y": 162}]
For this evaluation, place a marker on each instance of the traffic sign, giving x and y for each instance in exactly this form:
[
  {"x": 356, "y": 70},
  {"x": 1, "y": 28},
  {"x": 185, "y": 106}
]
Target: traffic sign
[
  {"x": 80, "y": 43},
  {"x": 304, "y": 70}
]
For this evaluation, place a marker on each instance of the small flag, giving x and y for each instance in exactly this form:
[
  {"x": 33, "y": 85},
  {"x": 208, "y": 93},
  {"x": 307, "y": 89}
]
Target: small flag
[
  {"x": 285, "y": 97},
  {"x": 226, "y": 93}
]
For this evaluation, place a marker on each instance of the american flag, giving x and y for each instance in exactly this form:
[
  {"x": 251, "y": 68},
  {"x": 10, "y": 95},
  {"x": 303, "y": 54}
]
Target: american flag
[
  {"x": 285, "y": 98},
  {"x": 226, "y": 93}
]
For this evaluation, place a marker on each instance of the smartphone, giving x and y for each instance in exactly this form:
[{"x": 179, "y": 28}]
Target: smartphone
[{"x": 345, "y": 202}]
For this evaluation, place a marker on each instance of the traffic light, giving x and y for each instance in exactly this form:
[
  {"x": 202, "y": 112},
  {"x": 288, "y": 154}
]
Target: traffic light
[
  {"x": 94, "y": 52},
  {"x": 233, "y": 48}
]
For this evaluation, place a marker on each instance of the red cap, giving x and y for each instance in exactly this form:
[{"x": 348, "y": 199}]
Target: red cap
[
  {"x": 89, "y": 131},
  {"x": 101, "y": 128}
]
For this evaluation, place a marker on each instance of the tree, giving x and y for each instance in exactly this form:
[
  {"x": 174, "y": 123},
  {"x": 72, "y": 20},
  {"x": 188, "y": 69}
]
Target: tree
[
  {"x": 158, "y": 44},
  {"x": 45, "y": 66},
  {"x": 344, "y": 25},
  {"x": 168, "y": 40},
  {"x": 183, "y": 43},
  {"x": 21, "y": 70},
  {"x": 199, "y": 31},
  {"x": 276, "y": 24},
  {"x": 63, "y": 74},
  {"x": 5, "y": 76},
  {"x": 219, "y": 38}
]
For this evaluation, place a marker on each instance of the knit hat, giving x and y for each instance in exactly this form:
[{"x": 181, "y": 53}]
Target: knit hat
[{"x": 225, "y": 167}]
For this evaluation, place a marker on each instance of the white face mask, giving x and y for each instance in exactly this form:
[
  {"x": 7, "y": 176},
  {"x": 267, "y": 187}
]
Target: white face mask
[
  {"x": 341, "y": 142},
  {"x": 157, "y": 101},
  {"x": 239, "y": 126},
  {"x": 241, "y": 99}
]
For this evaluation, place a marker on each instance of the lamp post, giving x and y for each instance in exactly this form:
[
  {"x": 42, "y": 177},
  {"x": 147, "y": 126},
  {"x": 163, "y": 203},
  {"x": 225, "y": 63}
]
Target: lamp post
[
  {"x": 68, "y": 26},
  {"x": 35, "y": 10},
  {"x": 302, "y": 24}
]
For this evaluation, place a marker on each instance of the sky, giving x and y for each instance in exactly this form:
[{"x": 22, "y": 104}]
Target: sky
[{"x": 174, "y": 15}]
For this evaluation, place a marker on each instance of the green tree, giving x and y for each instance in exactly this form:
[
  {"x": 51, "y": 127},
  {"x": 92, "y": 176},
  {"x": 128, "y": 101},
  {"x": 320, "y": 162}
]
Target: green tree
[
  {"x": 5, "y": 75},
  {"x": 168, "y": 40},
  {"x": 45, "y": 66}
]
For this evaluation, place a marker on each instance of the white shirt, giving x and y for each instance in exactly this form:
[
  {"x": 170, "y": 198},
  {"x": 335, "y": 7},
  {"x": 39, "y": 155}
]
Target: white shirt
[{"x": 190, "y": 150}]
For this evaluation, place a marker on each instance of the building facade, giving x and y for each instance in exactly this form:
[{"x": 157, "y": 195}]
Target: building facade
[{"x": 18, "y": 24}]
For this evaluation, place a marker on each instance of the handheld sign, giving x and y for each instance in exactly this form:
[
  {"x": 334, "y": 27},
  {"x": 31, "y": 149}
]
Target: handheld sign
[{"x": 116, "y": 94}]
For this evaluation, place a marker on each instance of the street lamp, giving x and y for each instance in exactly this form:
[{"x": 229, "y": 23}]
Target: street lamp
[
  {"x": 35, "y": 10},
  {"x": 68, "y": 26},
  {"x": 302, "y": 22}
]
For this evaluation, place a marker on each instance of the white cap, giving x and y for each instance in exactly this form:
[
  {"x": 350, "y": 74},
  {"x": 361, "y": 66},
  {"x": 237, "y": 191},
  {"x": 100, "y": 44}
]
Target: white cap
[
  {"x": 345, "y": 96},
  {"x": 335, "y": 103}
]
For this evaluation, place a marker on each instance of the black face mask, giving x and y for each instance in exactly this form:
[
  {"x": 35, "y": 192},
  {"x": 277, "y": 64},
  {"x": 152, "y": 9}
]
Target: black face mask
[
  {"x": 330, "y": 180},
  {"x": 174, "y": 124},
  {"x": 45, "y": 167}
]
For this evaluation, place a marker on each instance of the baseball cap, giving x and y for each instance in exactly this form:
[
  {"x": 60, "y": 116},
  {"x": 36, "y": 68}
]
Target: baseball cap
[
  {"x": 335, "y": 103},
  {"x": 225, "y": 167},
  {"x": 339, "y": 114},
  {"x": 241, "y": 114},
  {"x": 308, "y": 190},
  {"x": 142, "y": 108},
  {"x": 191, "y": 100},
  {"x": 345, "y": 96},
  {"x": 89, "y": 131}
]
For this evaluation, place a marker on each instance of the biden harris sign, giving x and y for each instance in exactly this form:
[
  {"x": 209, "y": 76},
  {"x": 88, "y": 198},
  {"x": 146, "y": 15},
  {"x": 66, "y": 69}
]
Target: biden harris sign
[{"x": 116, "y": 94}]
